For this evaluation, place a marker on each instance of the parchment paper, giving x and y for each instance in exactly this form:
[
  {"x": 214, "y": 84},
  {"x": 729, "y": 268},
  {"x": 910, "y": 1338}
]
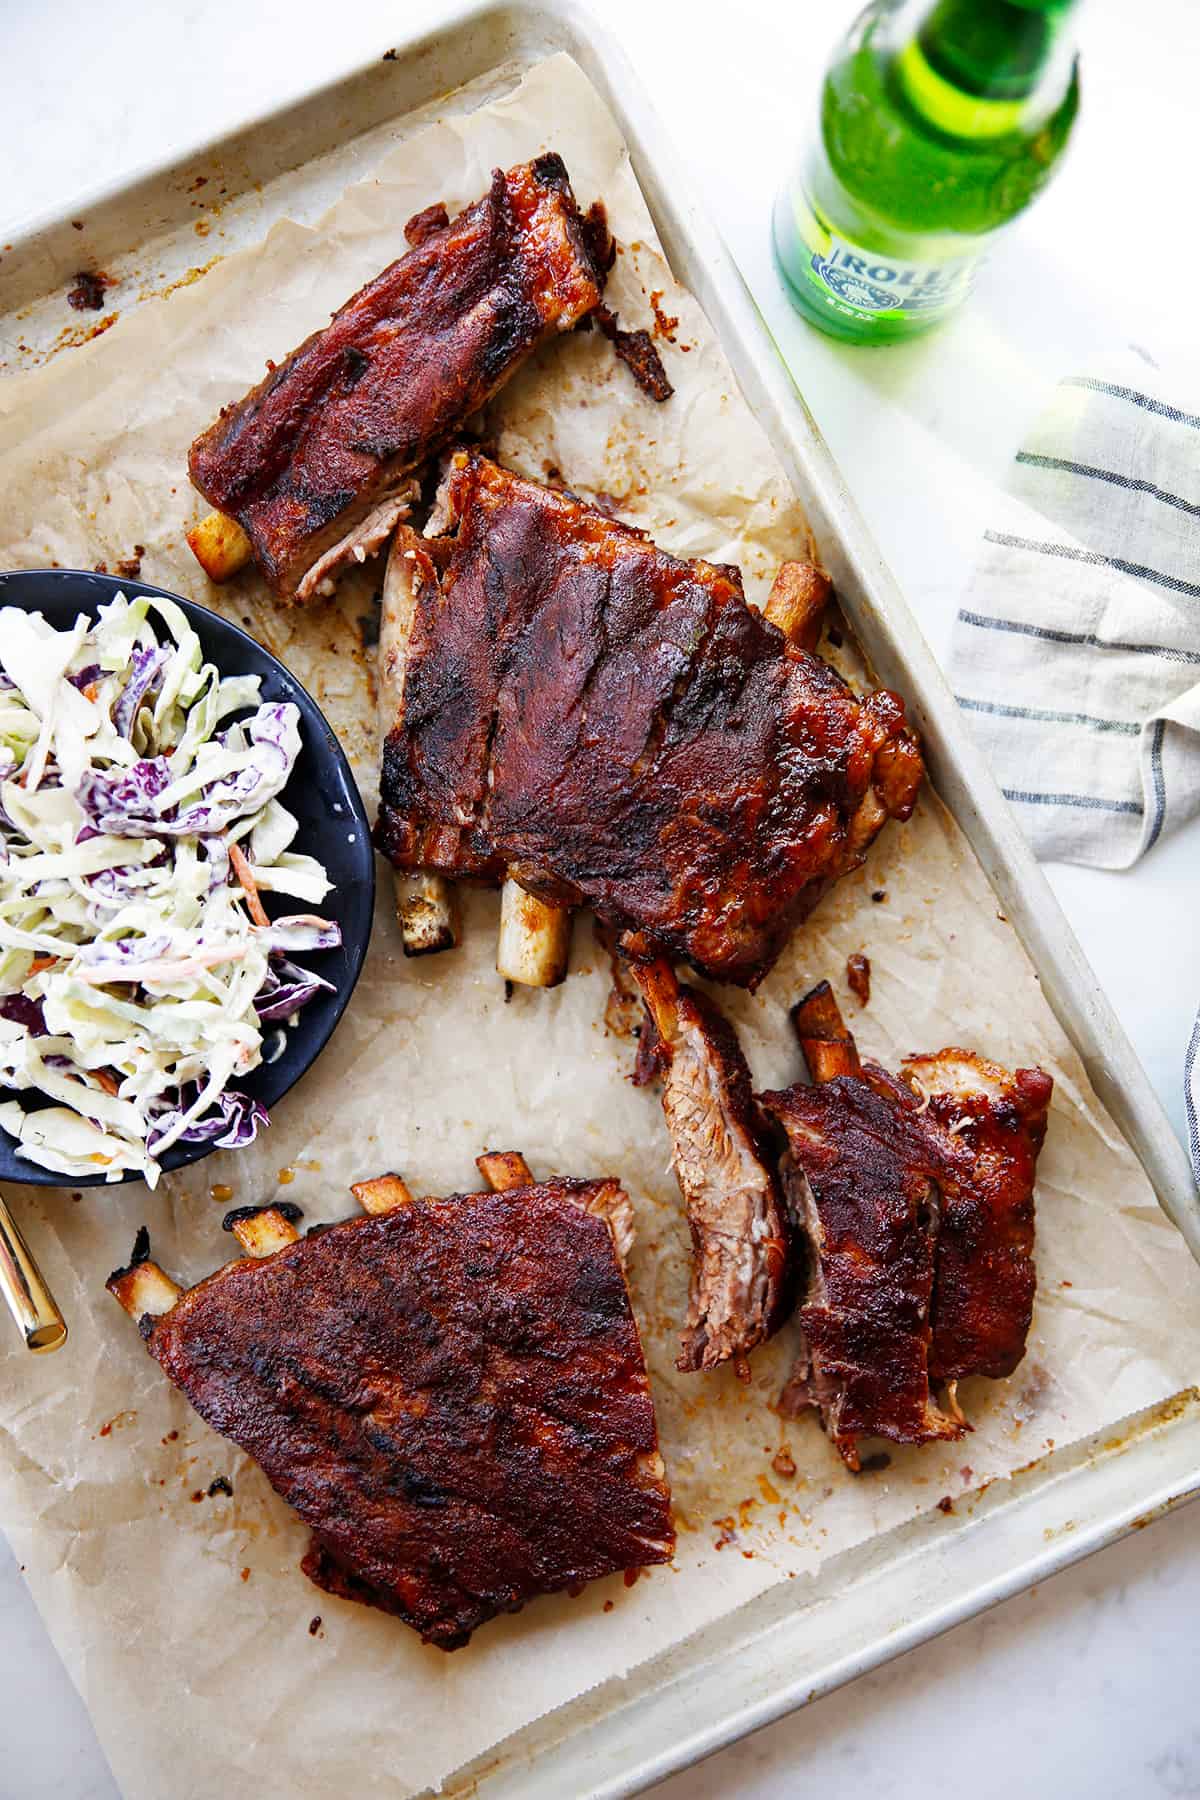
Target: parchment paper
[{"x": 182, "y": 1617}]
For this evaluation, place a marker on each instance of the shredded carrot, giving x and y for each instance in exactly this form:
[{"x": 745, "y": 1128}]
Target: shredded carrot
[
  {"x": 91, "y": 691},
  {"x": 241, "y": 869},
  {"x": 107, "y": 1082},
  {"x": 42, "y": 962}
]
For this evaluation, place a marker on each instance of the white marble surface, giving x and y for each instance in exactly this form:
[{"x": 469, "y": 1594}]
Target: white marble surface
[{"x": 1088, "y": 1685}]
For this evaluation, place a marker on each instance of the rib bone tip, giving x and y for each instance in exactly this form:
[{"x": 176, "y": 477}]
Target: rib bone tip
[
  {"x": 263, "y": 1230},
  {"x": 535, "y": 938},
  {"x": 382, "y": 1194},
  {"x": 219, "y": 545},
  {"x": 504, "y": 1169}
]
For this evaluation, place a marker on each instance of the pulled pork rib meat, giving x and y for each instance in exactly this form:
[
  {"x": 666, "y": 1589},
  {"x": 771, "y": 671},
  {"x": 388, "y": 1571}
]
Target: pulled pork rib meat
[
  {"x": 329, "y": 435},
  {"x": 366, "y": 539},
  {"x": 991, "y": 1124},
  {"x": 740, "y": 1291},
  {"x": 916, "y": 1194},
  {"x": 452, "y": 1394},
  {"x": 859, "y": 1175},
  {"x": 614, "y": 726}
]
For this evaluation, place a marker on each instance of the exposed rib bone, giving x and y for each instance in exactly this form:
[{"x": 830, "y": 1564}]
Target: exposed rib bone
[
  {"x": 504, "y": 1169},
  {"x": 951, "y": 1406},
  {"x": 382, "y": 1194},
  {"x": 427, "y": 912},
  {"x": 263, "y": 1231},
  {"x": 535, "y": 939},
  {"x": 797, "y": 603},
  {"x": 219, "y": 545},
  {"x": 825, "y": 1039},
  {"x": 142, "y": 1288}
]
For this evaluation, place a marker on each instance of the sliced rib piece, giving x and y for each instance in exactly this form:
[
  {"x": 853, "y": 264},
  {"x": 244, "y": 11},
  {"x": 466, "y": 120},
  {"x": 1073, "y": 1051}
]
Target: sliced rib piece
[
  {"x": 917, "y": 1197},
  {"x": 426, "y": 906},
  {"x": 741, "y": 1288},
  {"x": 826, "y": 1042},
  {"x": 991, "y": 1124},
  {"x": 860, "y": 1175},
  {"x": 334, "y": 432},
  {"x": 797, "y": 602},
  {"x": 451, "y": 1393},
  {"x": 608, "y": 724}
]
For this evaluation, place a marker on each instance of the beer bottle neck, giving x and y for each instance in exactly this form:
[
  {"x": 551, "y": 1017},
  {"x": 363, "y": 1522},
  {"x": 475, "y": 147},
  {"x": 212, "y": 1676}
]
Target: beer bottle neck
[{"x": 972, "y": 67}]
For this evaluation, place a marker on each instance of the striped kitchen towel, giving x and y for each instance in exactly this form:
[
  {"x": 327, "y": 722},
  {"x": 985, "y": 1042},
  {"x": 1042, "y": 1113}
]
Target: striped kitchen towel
[{"x": 1077, "y": 653}]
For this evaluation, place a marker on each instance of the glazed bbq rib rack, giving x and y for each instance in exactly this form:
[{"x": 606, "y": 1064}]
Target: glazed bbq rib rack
[
  {"x": 787, "y": 1647},
  {"x": 609, "y": 725},
  {"x": 451, "y": 1392}
]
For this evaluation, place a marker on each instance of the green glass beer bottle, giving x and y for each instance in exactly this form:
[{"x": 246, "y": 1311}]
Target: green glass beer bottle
[{"x": 940, "y": 122}]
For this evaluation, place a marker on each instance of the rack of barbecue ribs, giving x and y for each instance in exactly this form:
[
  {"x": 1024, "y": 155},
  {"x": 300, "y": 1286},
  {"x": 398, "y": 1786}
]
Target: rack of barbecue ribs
[
  {"x": 451, "y": 1393},
  {"x": 603, "y": 723},
  {"x": 741, "y": 1288},
  {"x": 915, "y": 1196},
  {"x": 312, "y": 469}
]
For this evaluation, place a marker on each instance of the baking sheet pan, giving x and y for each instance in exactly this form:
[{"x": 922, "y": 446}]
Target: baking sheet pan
[{"x": 920, "y": 1580}]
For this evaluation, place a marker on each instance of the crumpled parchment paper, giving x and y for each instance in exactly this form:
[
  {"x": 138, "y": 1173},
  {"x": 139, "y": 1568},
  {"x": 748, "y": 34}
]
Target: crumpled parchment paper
[{"x": 182, "y": 1617}]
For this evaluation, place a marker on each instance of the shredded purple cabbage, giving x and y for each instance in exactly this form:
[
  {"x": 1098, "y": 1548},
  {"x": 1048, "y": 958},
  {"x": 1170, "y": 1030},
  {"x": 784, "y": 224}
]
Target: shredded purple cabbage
[
  {"x": 235, "y": 1121},
  {"x": 20, "y": 1009},
  {"x": 117, "y": 953},
  {"x": 145, "y": 668},
  {"x": 286, "y": 989},
  {"x": 126, "y": 802},
  {"x": 299, "y": 931},
  {"x": 121, "y": 801},
  {"x": 117, "y": 887}
]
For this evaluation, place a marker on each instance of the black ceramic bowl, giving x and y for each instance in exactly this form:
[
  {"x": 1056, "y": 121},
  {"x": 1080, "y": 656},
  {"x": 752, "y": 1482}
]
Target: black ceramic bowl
[{"x": 321, "y": 794}]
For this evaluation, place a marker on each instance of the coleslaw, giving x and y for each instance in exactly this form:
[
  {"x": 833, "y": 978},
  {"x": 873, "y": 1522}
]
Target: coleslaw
[{"x": 140, "y": 824}]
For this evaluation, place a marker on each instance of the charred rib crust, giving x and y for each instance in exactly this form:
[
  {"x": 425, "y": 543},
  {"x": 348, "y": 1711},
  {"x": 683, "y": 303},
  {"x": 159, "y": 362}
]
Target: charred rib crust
[
  {"x": 452, "y": 1396},
  {"x": 620, "y": 728},
  {"x": 991, "y": 1125},
  {"x": 861, "y": 1176},
  {"x": 365, "y": 399}
]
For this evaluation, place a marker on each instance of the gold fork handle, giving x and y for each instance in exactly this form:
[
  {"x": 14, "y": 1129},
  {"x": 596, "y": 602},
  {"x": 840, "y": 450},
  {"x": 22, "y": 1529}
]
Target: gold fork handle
[{"x": 29, "y": 1300}]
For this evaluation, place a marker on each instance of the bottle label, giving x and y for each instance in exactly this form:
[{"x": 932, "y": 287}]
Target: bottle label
[{"x": 866, "y": 282}]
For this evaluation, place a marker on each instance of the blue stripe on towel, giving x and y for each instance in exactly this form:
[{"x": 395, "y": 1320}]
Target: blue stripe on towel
[
  {"x": 1088, "y": 639},
  {"x": 1125, "y": 727},
  {"x": 1034, "y": 461},
  {"x": 1087, "y": 801},
  {"x": 1094, "y": 557},
  {"x": 1146, "y": 401}
]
